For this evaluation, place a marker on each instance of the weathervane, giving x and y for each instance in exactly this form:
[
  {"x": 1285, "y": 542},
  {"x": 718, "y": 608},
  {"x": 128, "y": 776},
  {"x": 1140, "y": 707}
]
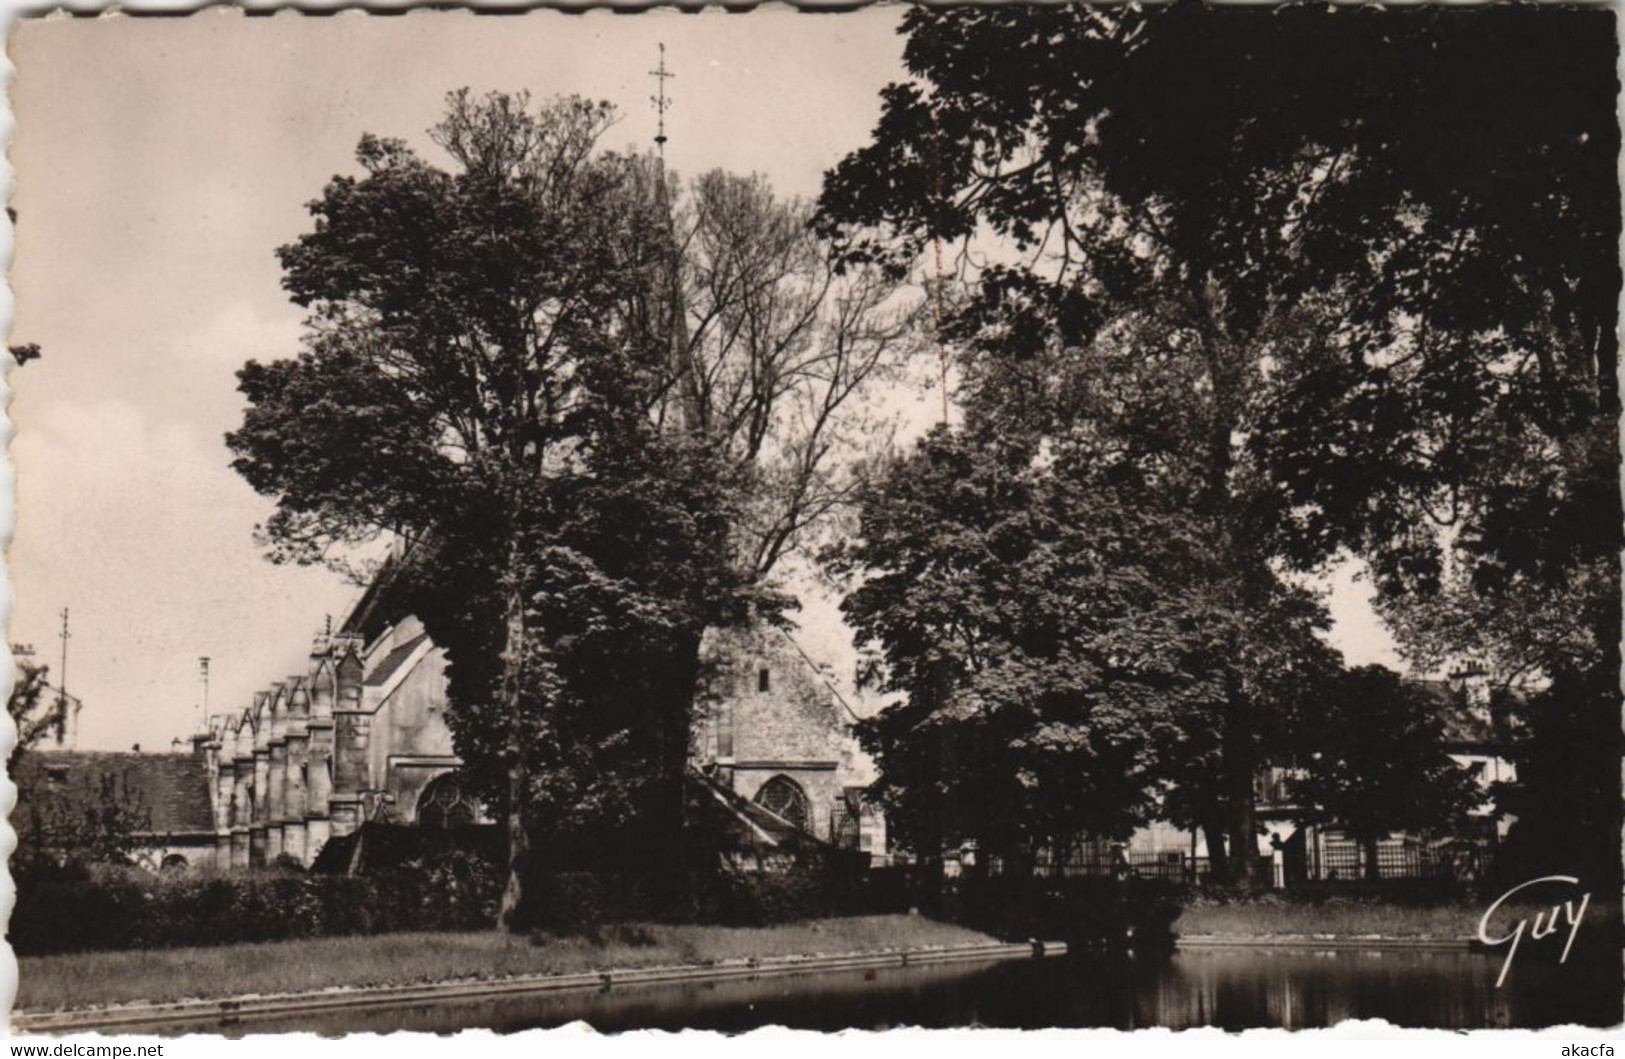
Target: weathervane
[{"x": 661, "y": 101}]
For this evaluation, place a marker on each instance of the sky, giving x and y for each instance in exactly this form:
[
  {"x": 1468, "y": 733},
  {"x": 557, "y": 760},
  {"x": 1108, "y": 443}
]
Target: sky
[{"x": 159, "y": 163}]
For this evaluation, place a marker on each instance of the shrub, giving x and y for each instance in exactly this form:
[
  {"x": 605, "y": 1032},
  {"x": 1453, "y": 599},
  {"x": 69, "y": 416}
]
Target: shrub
[
  {"x": 580, "y": 903},
  {"x": 454, "y": 890},
  {"x": 760, "y": 898},
  {"x": 433, "y": 889},
  {"x": 127, "y": 908},
  {"x": 577, "y": 902}
]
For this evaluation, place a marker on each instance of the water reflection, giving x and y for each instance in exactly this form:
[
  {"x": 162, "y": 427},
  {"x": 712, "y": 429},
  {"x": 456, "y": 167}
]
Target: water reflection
[
  {"x": 1296, "y": 989},
  {"x": 1229, "y": 988}
]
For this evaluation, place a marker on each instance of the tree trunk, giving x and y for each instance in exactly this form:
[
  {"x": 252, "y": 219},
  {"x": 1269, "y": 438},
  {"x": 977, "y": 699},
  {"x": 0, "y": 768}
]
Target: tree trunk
[
  {"x": 1373, "y": 867},
  {"x": 513, "y": 661},
  {"x": 1239, "y": 777},
  {"x": 513, "y": 892},
  {"x": 1243, "y": 839},
  {"x": 929, "y": 883},
  {"x": 680, "y": 724},
  {"x": 1217, "y": 857},
  {"x": 1224, "y": 360},
  {"x": 673, "y": 847}
]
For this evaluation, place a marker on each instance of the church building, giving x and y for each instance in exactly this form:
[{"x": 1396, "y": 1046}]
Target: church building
[{"x": 360, "y": 735}]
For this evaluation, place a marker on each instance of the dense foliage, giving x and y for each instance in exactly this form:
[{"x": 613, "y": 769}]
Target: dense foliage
[
  {"x": 93, "y": 820},
  {"x": 592, "y": 411},
  {"x": 108, "y": 909},
  {"x": 1324, "y": 283},
  {"x": 1051, "y": 664},
  {"x": 1373, "y": 761},
  {"x": 483, "y": 371}
]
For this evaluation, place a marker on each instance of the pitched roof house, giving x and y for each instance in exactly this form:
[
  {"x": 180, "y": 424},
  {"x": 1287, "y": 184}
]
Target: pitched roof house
[{"x": 167, "y": 794}]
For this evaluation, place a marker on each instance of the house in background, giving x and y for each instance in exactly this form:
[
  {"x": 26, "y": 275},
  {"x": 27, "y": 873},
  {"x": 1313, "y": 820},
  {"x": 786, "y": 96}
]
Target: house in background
[
  {"x": 1476, "y": 724},
  {"x": 166, "y": 795}
]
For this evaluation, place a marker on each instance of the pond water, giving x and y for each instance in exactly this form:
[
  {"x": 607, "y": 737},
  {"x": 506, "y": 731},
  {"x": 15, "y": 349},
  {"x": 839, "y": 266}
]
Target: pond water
[{"x": 1229, "y": 988}]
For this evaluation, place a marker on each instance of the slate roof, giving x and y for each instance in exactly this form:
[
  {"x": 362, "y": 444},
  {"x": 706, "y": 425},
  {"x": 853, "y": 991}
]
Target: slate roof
[
  {"x": 393, "y": 661},
  {"x": 173, "y": 788},
  {"x": 387, "y": 597},
  {"x": 1468, "y": 730}
]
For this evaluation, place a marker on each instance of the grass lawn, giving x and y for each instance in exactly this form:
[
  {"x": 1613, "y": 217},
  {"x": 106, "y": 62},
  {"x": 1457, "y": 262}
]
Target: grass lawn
[
  {"x": 96, "y": 978},
  {"x": 1268, "y": 915}
]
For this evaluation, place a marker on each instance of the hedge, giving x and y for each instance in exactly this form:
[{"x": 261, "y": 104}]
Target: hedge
[
  {"x": 124, "y": 908},
  {"x": 114, "y": 908},
  {"x": 572, "y": 901}
]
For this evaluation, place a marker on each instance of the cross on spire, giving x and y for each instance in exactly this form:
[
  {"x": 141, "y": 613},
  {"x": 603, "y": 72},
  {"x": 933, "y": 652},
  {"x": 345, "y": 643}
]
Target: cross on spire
[{"x": 661, "y": 100}]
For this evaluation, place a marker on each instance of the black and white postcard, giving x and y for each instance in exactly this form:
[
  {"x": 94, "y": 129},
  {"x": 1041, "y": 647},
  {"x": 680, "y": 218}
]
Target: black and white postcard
[{"x": 1026, "y": 517}]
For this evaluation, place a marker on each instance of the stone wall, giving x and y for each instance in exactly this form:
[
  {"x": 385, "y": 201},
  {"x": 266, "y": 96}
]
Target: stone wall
[
  {"x": 363, "y": 731},
  {"x": 313, "y": 754},
  {"x": 767, "y": 710}
]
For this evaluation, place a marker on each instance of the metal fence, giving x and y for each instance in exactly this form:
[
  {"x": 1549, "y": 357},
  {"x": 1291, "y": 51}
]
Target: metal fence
[
  {"x": 1105, "y": 860},
  {"x": 1334, "y": 858},
  {"x": 1176, "y": 867},
  {"x": 1342, "y": 858}
]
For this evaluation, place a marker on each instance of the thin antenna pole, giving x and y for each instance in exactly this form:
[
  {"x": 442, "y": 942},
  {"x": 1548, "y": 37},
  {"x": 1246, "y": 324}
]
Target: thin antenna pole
[
  {"x": 662, "y": 102},
  {"x": 203, "y": 672},
  {"x": 62, "y": 682}
]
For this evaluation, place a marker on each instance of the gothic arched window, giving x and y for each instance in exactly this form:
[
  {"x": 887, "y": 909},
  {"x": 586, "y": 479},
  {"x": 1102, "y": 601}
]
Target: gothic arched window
[
  {"x": 444, "y": 805},
  {"x": 784, "y": 797}
]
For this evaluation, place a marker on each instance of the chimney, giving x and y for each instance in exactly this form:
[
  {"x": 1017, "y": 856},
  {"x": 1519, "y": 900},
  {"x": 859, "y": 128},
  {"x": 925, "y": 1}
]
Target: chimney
[{"x": 1470, "y": 680}]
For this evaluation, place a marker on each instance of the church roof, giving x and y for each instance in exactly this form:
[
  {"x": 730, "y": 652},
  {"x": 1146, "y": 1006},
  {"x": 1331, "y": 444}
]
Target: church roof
[
  {"x": 173, "y": 788},
  {"x": 387, "y": 597},
  {"x": 393, "y": 661},
  {"x": 738, "y": 822}
]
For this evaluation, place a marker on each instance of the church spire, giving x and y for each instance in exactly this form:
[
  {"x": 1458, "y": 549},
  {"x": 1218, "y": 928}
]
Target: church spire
[
  {"x": 689, "y": 413},
  {"x": 662, "y": 102}
]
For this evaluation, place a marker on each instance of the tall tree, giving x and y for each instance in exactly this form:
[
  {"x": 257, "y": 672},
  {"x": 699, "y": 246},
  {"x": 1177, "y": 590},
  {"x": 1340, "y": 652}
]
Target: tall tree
[
  {"x": 1565, "y": 800},
  {"x": 1374, "y": 761},
  {"x": 781, "y": 349},
  {"x": 474, "y": 383},
  {"x": 1051, "y": 654},
  {"x": 1413, "y": 202}
]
